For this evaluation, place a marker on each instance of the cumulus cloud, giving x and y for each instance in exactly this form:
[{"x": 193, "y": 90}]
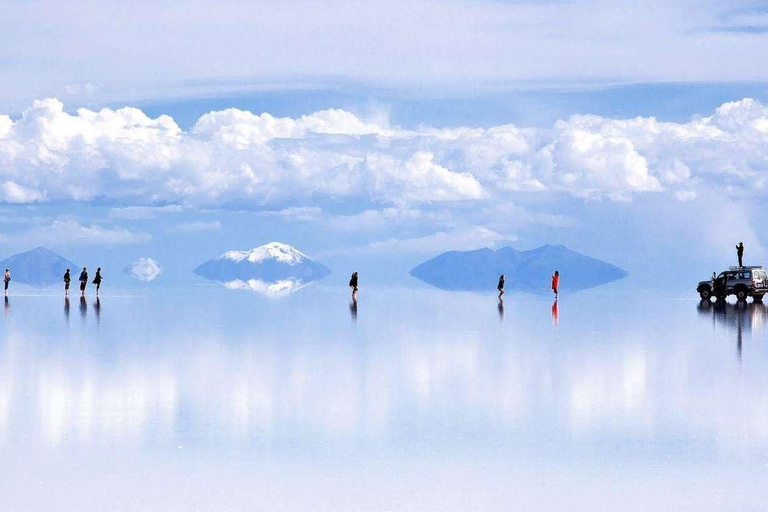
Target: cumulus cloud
[
  {"x": 71, "y": 232},
  {"x": 237, "y": 159}
]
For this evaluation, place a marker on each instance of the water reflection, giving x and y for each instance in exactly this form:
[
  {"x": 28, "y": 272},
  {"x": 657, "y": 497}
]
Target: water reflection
[
  {"x": 7, "y": 306},
  {"x": 555, "y": 314},
  {"x": 741, "y": 317},
  {"x": 273, "y": 289},
  {"x": 66, "y": 309},
  {"x": 97, "y": 309},
  {"x": 501, "y": 310},
  {"x": 83, "y": 307},
  {"x": 353, "y": 309}
]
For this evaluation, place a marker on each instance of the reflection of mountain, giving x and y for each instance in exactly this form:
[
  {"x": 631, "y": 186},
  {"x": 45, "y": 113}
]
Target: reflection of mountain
[
  {"x": 38, "y": 266},
  {"x": 144, "y": 269},
  {"x": 273, "y": 266},
  {"x": 525, "y": 270},
  {"x": 270, "y": 289}
]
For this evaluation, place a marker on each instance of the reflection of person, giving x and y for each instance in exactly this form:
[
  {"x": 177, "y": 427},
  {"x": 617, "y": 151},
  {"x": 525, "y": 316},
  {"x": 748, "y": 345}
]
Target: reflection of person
[
  {"x": 555, "y": 313},
  {"x": 66, "y": 308},
  {"x": 501, "y": 285},
  {"x": 83, "y": 307},
  {"x": 353, "y": 309},
  {"x": 97, "y": 280},
  {"x": 6, "y": 280},
  {"x": 83, "y": 280},
  {"x": 353, "y": 284},
  {"x": 7, "y": 306},
  {"x": 555, "y": 282},
  {"x": 97, "y": 309},
  {"x": 740, "y": 253},
  {"x": 67, "y": 280},
  {"x": 501, "y": 310}
]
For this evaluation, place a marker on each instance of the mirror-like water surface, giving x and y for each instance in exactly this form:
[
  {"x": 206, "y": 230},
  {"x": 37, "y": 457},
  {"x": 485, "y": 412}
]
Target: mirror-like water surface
[{"x": 210, "y": 399}]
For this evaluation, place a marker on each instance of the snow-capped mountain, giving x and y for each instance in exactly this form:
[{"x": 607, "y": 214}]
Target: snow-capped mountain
[
  {"x": 144, "y": 269},
  {"x": 38, "y": 266},
  {"x": 268, "y": 263}
]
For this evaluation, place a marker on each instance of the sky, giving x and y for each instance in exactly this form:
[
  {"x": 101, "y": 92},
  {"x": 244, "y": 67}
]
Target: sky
[{"x": 375, "y": 135}]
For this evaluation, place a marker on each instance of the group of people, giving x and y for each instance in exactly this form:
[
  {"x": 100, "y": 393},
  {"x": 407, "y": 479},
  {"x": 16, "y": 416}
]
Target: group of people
[
  {"x": 97, "y": 279},
  {"x": 555, "y": 284}
]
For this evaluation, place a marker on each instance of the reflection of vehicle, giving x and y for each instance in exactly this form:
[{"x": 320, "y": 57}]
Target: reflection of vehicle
[
  {"x": 740, "y": 281},
  {"x": 741, "y": 317}
]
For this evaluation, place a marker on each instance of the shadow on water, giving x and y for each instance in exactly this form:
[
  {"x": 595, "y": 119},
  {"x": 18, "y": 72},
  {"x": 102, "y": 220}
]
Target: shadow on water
[
  {"x": 742, "y": 317},
  {"x": 353, "y": 310}
]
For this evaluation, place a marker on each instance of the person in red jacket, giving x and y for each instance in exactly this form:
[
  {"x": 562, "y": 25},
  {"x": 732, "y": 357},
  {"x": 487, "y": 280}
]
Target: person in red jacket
[{"x": 555, "y": 282}]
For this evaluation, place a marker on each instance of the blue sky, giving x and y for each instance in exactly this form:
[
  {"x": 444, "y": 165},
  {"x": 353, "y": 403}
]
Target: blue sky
[{"x": 375, "y": 135}]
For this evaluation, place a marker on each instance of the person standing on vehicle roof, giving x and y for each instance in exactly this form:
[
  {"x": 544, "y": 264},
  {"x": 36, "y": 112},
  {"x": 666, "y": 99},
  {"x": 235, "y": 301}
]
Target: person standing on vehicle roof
[{"x": 740, "y": 253}]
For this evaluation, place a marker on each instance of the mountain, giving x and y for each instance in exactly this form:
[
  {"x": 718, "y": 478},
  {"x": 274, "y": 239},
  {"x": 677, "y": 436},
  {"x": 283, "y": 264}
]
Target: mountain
[
  {"x": 38, "y": 266},
  {"x": 524, "y": 270},
  {"x": 268, "y": 263},
  {"x": 144, "y": 269}
]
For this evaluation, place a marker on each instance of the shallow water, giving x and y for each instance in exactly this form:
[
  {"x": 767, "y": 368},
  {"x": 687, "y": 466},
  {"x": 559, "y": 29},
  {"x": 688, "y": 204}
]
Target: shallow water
[{"x": 203, "y": 398}]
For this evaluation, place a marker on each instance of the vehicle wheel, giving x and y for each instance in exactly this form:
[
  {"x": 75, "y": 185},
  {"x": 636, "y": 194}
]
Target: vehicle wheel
[
  {"x": 758, "y": 298},
  {"x": 705, "y": 294},
  {"x": 741, "y": 294}
]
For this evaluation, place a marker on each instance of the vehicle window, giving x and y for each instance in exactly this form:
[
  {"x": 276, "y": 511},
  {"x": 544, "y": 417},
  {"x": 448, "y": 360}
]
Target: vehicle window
[{"x": 745, "y": 275}]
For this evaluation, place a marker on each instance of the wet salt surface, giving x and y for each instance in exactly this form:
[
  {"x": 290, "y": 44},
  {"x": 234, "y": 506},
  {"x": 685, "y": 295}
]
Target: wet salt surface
[{"x": 204, "y": 398}]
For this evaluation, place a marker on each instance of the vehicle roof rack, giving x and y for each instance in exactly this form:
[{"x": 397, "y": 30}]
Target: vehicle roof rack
[{"x": 745, "y": 267}]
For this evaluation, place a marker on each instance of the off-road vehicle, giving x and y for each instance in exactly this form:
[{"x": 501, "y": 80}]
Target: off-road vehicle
[{"x": 742, "y": 282}]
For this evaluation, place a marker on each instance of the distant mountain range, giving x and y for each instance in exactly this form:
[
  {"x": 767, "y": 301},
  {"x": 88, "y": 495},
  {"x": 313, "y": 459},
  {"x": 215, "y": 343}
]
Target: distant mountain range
[
  {"x": 38, "y": 266},
  {"x": 266, "y": 265},
  {"x": 524, "y": 270}
]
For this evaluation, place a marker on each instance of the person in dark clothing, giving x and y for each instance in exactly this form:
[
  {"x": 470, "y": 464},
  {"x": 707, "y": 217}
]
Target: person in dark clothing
[
  {"x": 353, "y": 284},
  {"x": 67, "y": 280},
  {"x": 740, "y": 253},
  {"x": 6, "y": 280},
  {"x": 97, "y": 280},
  {"x": 501, "y": 285},
  {"x": 83, "y": 280}
]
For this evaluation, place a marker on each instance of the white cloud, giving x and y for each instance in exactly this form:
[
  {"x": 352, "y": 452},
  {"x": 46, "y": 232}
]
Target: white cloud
[
  {"x": 237, "y": 159},
  {"x": 466, "y": 239},
  {"x": 71, "y": 232},
  {"x": 143, "y": 212},
  {"x": 198, "y": 226}
]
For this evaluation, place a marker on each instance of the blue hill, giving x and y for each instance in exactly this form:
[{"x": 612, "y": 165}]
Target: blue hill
[{"x": 525, "y": 270}]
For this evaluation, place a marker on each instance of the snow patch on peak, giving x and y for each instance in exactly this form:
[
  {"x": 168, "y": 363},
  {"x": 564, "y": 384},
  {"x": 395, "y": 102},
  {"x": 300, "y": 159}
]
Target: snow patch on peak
[{"x": 272, "y": 251}]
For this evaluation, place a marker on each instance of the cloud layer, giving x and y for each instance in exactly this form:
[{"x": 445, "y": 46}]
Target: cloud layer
[{"x": 234, "y": 158}]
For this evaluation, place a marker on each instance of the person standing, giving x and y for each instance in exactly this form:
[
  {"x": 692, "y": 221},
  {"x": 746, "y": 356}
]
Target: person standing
[
  {"x": 501, "y": 285},
  {"x": 353, "y": 285},
  {"x": 67, "y": 280},
  {"x": 6, "y": 280},
  {"x": 97, "y": 280},
  {"x": 740, "y": 253},
  {"x": 83, "y": 281},
  {"x": 556, "y": 283}
]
